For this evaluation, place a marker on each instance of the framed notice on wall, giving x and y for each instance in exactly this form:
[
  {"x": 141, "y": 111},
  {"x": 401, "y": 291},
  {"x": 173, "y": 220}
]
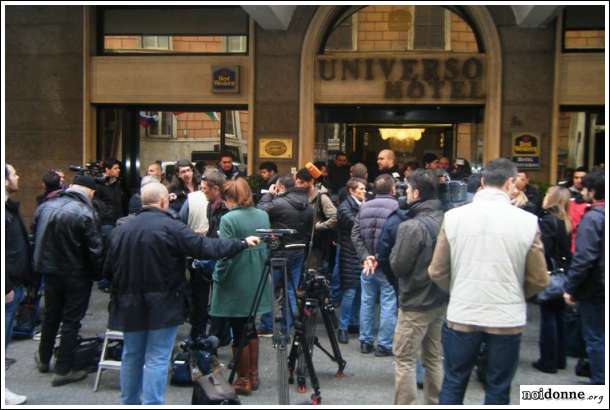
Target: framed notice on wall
[
  {"x": 225, "y": 79},
  {"x": 526, "y": 150},
  {"x": 275, "y": 148}
]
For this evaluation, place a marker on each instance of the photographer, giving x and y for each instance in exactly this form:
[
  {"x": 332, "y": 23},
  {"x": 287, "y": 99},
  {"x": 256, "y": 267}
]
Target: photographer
[
  {"x": 109, "y": 196},
  {"x": 288, "y": 208},
  {"x": 184, "y": 184},
  {"x": 145, "y": 260}
]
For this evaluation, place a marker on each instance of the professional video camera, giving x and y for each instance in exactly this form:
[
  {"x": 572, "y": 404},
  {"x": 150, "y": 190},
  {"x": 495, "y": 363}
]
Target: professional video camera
[
  {"x": 92, "y": 169},
  {"x": 275, "y": 238},
  {"x": 315, "y": 285}
]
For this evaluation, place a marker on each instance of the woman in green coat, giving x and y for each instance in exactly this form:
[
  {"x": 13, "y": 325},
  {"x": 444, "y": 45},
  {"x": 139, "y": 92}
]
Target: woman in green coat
[{"x": 236, "y": 280}]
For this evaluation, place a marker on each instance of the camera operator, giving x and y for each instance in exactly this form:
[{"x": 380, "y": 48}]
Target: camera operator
[
  {"x": 145, "y": 260},
  {"x": 325, "y": 219},
  {"x": 185, "y": 183},
  {"x": 288, "y": 208},
  {"x": 53, "y": 182}
]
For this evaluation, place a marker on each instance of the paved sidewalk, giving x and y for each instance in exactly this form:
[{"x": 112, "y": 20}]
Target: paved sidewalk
[{"x": 369, "y": 380}]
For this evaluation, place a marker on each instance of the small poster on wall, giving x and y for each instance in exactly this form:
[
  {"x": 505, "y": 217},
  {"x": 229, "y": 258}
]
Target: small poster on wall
[
  {"x": 225, "y": 79},
  {"x": 277, "y": 148},
  {"x": 526, "y": 150}
]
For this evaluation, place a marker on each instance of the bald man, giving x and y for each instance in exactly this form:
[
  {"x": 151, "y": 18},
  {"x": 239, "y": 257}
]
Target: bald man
[
  {"x": 386, "y": 161},
  {"x": 146, "y": 258}
]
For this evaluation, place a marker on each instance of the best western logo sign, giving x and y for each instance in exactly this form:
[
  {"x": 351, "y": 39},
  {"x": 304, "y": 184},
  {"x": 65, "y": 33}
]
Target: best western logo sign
[
  {"x": 225, "y": 79},
  {"x": 437, "y": 77}
]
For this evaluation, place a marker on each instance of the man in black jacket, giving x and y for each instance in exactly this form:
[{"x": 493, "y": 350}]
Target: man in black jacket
[
  {"x": 109, "y": 196},
  {"x": 18, "y": 263},
  {"x": 288, "y": 208},
  {"x": 145, "y": 259},
  {"x": 68, "y": 252},
  {"x": 586, "y": 273}
]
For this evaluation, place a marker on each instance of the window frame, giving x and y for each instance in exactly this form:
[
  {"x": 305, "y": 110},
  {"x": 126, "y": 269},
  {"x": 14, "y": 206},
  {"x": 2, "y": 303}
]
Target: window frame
[{"x": 578, "y": 50}]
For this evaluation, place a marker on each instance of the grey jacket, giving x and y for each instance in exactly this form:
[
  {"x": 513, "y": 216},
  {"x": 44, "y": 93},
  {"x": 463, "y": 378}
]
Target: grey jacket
[{"x": 411, "y": 256}]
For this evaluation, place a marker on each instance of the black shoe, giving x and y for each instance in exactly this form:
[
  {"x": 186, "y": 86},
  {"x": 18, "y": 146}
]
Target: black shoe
[
  {"x": 383, "y": 352},
  {"x": 353, "y": 330},
  {"x": 420, "y": 386},
  {"x": 366, "y": 348},
  {"x": 42, "y": 367},
  {"x": 538, "y": 366},
  {"x": 342, "y": 337},
  {"x": 71, "y": 377},
  {"x": 583, "y": 368}
]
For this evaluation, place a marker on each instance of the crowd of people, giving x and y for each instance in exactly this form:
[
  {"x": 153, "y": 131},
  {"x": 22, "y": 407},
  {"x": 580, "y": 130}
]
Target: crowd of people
[{"x": 451, "y": 278}]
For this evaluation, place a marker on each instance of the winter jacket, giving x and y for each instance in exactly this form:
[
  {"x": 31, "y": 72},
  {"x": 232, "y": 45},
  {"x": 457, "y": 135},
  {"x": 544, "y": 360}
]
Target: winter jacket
[
  {"x": 386, "y": 243},
  {"x": 194, "y": 212},
  {"x": 534, "y": 198},
  {"x": 556, "y": 241},
  {"x": 108, "y": 201},
  {"x": 17, "y": 249},
  {"x": 369, "y": 224},
  {"x": 48, "y": 196},
  {"x": 586, "y": 274},
  {"x": 490, "y": 258},
  {"x": 216, "y": 210},
  {"x": 290, "y": 210},
  {"x": 146, "y": 263},
  {"x": 576, "y": 210},
  {"x": 411, "y": 256},
  {"x": 349, "y": 266},
  {"x": 236, "y": 279},
  {"x": 233, "y": 173},
  {"x": 68, "y": 241}
]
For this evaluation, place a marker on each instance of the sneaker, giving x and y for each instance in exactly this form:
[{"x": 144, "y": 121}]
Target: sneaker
[
  {"x": 342, "y": 337},
  {"x": 383, "y": 352},
  {"x": 366, "y": 348},
  {"x": 71, "y": 377},
  {"x": 42, "y": 367},
  {"x": 13, "y": 399}
]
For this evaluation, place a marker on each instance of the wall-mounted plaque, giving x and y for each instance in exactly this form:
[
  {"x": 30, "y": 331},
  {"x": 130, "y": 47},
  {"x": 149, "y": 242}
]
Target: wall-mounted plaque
[
  {"x": 278, "y": 148},
  {"x": 526, "y": 150},
  {"x": 225, "y": 79}
]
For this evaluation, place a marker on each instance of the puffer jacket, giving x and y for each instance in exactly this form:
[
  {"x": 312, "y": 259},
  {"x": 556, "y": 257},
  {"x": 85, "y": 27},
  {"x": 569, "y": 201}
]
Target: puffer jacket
[
  {"x": 386, "y": 243},
  {"x": 349, "y": 268},
  {"x": 369, "y": 224},
  {"x": 290, "y": 210},
  {"x": 145, "y": 261},
  {"x": 586, "y": 280},
  {"x": 411, "y": 256},
  {"x": 67, "y": 237}
]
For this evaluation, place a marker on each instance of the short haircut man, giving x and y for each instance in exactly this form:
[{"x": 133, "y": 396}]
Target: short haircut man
[
  {"x": 51, "y": 181},
  {"x": 214, "y": 178},
  {"x": 596, "y": 182},
  {"x": 497, "y": 172},
  {"x": 384, "y": 184},
  {"x": 430, "y": 161},
  {"x": 425, "y": 182},
  {"x": 287, "y": 181},
  {"x": 304, "y": 175},
  {"x": 268, "y": 166},
  {"x": 359, "y": 170},
  {"x": 153, "y": 194}
]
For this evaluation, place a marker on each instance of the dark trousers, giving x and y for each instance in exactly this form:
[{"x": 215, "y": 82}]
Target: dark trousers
[
  {"x": 552, "y": 340},
  {"x": 593, "y": 331},
  {"x": 242, "y": 328},
  {"x": 66, "y": 302},
  {"x": 461, "y": 350},
  {"x": 200, "y": 297}
]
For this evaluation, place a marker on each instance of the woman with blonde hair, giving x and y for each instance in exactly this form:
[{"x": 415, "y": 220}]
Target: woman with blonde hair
[
  {"x": 236, "y": 280},
  {"x": 555, "y": 228}
]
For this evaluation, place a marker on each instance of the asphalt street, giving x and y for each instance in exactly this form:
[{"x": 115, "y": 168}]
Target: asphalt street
[{"x": 369, "y": 380}]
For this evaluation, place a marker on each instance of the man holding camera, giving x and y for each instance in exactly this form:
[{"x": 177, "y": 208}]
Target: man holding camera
[
  {"x": 68, "y": 251},
  {"x": 148, "y": 293},
  {"x": 288, "y": 208}
]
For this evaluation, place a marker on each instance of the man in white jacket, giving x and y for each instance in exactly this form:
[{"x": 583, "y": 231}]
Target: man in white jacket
[{"x": 490, "y": 258}]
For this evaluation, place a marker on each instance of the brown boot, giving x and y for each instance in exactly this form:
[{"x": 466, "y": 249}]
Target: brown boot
[
  {"x": 253, "y": 345},
  {"x": 242, "y": 383}
]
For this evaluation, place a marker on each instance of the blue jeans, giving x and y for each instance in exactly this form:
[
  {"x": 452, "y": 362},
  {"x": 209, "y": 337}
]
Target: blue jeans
[
  {"x": 350, "y": 308},
  {"x": 294, "y": 261},
  {"x": 461, "y": 350},
  {"x": 593, "y": 332},
  {"x": 10, "y": 310},
  {"x": 145, "y": 361},
  {"x": 335, "y": 280},
  {"x": 371, "y": 286}
]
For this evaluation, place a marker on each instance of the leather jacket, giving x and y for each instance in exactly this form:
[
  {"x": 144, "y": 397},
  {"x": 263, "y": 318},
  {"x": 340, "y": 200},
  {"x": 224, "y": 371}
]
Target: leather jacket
[{"x": 68, "y": 241}]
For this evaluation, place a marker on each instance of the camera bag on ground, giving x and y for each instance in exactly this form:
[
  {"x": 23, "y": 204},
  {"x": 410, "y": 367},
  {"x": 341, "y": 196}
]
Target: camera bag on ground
[{"x": 87, "y": 353}]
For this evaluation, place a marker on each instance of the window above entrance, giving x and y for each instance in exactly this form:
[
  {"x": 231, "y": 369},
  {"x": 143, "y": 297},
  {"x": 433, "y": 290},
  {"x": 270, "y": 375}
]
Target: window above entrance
[{"x": 401, "y": 28}]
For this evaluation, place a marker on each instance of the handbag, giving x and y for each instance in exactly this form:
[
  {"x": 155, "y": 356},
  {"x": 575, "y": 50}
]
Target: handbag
[
  {"x": 213, "y": 388},
  {"x": 555, "y": 289}
]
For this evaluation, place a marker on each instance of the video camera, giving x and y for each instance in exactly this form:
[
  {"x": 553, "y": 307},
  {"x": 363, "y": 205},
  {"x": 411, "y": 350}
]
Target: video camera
[
  {"x": 92, "y": 169},
  {"x": 275, "y": 238},
  {"x": 316, "y": 286}
]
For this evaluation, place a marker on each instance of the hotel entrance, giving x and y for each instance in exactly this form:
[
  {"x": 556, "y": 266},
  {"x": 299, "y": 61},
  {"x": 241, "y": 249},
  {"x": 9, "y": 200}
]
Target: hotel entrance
[{"x": 410, "y": 131}]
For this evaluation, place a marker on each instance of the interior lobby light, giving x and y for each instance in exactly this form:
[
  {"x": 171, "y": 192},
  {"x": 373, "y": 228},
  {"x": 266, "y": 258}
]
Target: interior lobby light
[{"x": 402, "y": 134}]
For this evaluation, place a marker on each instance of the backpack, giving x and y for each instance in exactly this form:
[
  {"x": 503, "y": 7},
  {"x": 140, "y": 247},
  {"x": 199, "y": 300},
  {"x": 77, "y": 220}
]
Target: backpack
[{"x": 87, "y": 353}]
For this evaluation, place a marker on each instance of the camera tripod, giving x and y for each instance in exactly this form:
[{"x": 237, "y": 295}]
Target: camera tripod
[{"x": 314, "y": 296}]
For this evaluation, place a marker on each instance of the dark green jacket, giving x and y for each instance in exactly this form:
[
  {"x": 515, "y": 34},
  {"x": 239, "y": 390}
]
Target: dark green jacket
[{"x": 236, "y": 278}]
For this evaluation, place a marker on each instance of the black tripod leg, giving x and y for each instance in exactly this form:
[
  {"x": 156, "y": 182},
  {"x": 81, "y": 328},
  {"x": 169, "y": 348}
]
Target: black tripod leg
[
  {"x": 316, "y": 397},
  {"x": 332, "y": 336}
]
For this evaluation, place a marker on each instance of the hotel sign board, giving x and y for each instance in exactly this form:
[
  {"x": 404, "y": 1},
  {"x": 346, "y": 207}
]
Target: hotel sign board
[
  {"x": 225, "y": 79},
  {"x": 526, "y": 150},
  {"x": 426, "y": 78}
]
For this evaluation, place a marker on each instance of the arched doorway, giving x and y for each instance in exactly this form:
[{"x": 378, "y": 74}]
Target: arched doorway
[{"x": 326, "y": 16}]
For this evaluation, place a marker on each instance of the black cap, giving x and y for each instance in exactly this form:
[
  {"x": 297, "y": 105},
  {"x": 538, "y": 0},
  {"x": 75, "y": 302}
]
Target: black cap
[{"x": 86, "y": 181}]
